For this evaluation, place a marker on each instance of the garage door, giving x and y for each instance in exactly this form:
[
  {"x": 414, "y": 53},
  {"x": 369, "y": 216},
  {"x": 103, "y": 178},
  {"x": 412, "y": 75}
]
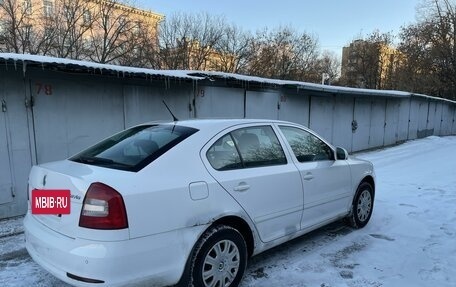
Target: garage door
[{"x": 5, "y": 162}]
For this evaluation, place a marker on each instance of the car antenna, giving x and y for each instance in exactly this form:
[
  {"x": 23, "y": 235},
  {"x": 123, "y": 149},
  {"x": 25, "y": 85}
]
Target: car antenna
[{"x": 169, "y": 110}]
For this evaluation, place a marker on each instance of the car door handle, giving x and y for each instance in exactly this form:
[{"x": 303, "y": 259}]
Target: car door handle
[
  {"x": 241, "y": 187},
  {"x": 308, "y": 176}
]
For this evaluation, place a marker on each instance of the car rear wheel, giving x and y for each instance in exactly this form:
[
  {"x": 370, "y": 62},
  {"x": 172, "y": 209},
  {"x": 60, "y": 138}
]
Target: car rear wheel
[
  {"x": 362, "y": 207},
  {"x": 219, "y": 259}
]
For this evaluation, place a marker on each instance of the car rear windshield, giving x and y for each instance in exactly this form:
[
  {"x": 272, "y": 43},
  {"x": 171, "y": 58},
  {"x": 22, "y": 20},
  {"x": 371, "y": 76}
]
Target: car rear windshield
[{"x": 134, "y": 148}]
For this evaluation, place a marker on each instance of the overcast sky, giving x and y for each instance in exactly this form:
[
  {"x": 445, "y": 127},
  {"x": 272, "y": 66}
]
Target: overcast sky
[{"x": 335, "y": 22}]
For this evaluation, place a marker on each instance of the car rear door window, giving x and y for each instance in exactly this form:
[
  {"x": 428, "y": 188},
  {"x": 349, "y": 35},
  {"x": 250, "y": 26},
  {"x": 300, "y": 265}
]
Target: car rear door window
[
  {"x": 306, "y": 146},
  {"x": 245, "y": 148},
  {"x": 223, "y": 155}
]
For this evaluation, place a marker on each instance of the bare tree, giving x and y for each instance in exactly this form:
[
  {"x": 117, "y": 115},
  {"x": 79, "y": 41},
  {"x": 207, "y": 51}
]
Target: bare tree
[
  {"x": 189, "y": 41},
  {"x": 173, "y": 33},
  {"x": 72, "y": 20},
  {"x": 113, "y": 34},
  {"x": 233, "y": 49},
  {"x": 328, "y": 64},
  {"x": 429, "y": 51},
  {"x": 443, "y": 19},
  {"x": 417, "y": 72},
  {"x": 283, "y": 53},
  {"x": 143, "y": 47}
]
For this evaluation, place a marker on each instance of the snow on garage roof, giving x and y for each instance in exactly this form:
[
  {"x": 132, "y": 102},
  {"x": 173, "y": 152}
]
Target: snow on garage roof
[
  {"x": 302, "y": 85},
  {"x": 121, "y": 71},
  {"x": 90, "y": 67}
]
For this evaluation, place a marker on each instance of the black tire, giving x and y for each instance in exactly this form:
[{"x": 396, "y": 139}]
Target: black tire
[
  {"x": 221, "y": 253},
  {"x": 363, "y": 204}
]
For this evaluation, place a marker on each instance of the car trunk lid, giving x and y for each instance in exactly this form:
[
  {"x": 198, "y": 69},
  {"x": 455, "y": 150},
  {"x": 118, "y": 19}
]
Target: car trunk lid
[{"x": 76, "y": 177}]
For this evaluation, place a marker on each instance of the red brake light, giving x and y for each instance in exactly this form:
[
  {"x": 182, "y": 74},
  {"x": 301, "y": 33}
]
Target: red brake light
[{"x": 103, "y": 208}]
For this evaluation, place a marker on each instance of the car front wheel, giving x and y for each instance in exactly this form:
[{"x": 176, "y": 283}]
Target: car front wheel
[
  {"x": 362, "y": 207},
  {"x": 219, "y": 259}
]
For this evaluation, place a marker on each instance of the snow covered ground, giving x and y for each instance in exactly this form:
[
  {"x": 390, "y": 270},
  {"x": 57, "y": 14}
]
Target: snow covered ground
[{"x": 410, "y": 240}]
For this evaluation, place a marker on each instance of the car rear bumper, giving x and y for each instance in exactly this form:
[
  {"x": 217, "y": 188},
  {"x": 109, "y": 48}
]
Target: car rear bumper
[{"x": 157, "y": 260}]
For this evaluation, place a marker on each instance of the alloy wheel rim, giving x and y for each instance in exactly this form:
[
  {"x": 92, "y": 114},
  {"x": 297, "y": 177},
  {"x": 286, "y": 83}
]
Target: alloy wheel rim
[
  {"x": 364, "y": 205},
  {"x": 221, "y": 264}
]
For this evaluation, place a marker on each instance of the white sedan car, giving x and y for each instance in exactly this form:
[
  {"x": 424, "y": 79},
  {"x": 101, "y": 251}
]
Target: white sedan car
[{"x": 188, "y": 202}]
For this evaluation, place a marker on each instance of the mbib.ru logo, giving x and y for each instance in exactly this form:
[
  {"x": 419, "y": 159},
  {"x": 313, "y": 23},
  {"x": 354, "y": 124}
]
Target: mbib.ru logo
[{"x": 51, "y": 201}]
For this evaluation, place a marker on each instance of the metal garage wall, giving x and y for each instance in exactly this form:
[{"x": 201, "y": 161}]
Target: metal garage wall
[
  {"x": 391, "y": 121},
  {"x": 145, "y": 103},
  {"x": 294, "y": 108},
  {"x": 403, "y": 119},
  {"x": 15, "y": 158},
  {"x": 321, "y": 116},
  {"x": 342, "y": 120},
  {"x": 6, "y": 177},
  {"x": 423, "y": 109},
  {"x": 438, "y": 118},
  {"x": 430, "y": 123},
  {"x": 453, "y": 124},
  {"x": 377, "y": 123},
  {"x": 219, "y": 102},
  {"x": 413, "y": 119},
  {"x": 361, "y": 118},
  {"x": 262, "y": 105},
  {"x": 447, "y": 119},
  {"x": 72, "y": 114}
]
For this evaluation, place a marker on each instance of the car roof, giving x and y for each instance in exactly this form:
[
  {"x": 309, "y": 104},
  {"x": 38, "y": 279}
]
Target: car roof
[{"x": 219, "y": 124}]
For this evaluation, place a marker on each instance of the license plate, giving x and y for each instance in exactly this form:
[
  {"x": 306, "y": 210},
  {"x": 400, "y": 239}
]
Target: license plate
[{"x": 51, "y": 201}]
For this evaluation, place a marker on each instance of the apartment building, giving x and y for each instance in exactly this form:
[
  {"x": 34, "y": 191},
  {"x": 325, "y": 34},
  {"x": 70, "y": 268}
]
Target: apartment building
[
  {"x": 368, "y": 64},
  {"x": 74, "y": 28}
]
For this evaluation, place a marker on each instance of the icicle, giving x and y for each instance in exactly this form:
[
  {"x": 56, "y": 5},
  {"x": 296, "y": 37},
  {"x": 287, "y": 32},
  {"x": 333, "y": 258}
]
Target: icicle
[
  {"x": 167, "y": 83},
  {"x": 24, "y": 68},
  {"x": 193, "y": 85},
  {"x": 15, "y": 65}
]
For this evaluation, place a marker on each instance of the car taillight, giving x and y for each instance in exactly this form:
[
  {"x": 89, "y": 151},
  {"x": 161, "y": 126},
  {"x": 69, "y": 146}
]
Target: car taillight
[{"x": 103, "y": 208}]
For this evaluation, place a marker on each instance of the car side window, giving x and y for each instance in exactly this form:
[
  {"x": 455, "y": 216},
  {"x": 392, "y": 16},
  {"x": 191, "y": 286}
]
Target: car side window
[
  {"x": 222, "y": 155},
  {"x": 259, "y": 146},
  {"x": 306, "y": 146},
  {"x": 246, "y": 147}
]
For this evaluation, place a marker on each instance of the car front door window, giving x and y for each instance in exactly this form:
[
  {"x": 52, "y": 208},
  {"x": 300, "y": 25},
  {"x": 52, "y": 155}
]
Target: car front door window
[{"x": 306, "y": 146}]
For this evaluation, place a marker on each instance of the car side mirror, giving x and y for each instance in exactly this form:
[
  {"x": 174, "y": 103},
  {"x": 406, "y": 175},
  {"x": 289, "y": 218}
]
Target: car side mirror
[{"x": 341, "y": 153}]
